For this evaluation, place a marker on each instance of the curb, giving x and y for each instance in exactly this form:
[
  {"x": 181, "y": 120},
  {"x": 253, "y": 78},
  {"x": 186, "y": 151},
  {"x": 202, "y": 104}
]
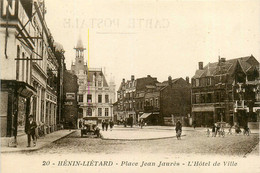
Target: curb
[
  {"x": 139, "y": 139},
  {"x": 40, "y": 147}
]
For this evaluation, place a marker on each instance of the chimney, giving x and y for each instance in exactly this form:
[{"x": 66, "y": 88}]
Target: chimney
[
  {"x": 148, "y": 75},
  {"x": 123, "y": 80},
  {"x": 200, "y": 65},
  {"x": 187, "y": 79},
  {"x": 132, "y": 77},
  {"x": 223, "y": 59},
  {"x": 170, "y": 80}
]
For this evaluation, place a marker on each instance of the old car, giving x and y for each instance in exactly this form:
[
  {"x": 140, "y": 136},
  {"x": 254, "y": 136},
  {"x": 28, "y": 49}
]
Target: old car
[{"x": 90, "y": 127}]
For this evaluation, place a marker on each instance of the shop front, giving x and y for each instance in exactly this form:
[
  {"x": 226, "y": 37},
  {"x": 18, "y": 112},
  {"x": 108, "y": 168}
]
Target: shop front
[{"x": 15, "y": 107}]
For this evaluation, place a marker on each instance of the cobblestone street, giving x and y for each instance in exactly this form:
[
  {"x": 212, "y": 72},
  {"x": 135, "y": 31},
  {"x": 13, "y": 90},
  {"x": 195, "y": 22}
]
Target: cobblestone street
[{"x": 194, "y": 142}]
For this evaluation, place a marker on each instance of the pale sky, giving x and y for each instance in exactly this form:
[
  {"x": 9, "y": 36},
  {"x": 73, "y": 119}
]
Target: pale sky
[{"x": 157, "y": 38}]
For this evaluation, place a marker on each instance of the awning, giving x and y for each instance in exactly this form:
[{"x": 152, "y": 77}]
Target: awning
[{"x": 145, "y": 115}]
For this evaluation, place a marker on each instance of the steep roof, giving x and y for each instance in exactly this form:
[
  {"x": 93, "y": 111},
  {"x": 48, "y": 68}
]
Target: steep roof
[
  {"x": 229, "y": 66},
  {"x": 142, "y": 82},
  {"x": 97, "y": 73}
]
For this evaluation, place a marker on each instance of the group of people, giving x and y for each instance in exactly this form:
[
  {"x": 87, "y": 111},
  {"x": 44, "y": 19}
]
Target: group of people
[
  {"x": 217, "y": 129},
  {"x": 105, "y": 124}
]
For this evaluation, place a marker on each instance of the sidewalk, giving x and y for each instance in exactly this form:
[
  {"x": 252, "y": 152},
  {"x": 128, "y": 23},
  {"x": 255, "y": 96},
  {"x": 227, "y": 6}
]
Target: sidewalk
[
  {"x": 136, "y": 133},
  {"x": 41, "y": 142}
]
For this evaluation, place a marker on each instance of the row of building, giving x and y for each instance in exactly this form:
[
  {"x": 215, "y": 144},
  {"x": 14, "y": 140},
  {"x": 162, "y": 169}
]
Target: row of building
[
  {"x": 32, "y": 69},
  {"x": 155, "y": 102},
  {"x": 223, "y": 91}
]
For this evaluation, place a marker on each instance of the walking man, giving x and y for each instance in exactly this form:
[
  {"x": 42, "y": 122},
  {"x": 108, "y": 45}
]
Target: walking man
[
  {"x": 30, "y": 130},
  {"x": 103, "y": 125},
  {"x": 111, "y": 124}
]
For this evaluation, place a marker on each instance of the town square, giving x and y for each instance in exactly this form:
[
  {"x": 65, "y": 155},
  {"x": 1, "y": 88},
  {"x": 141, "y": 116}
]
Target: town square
[{"x": 163, "y": 85}]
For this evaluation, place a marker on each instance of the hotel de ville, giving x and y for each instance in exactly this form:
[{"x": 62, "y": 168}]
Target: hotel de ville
[{"x": 95, "y": 95}]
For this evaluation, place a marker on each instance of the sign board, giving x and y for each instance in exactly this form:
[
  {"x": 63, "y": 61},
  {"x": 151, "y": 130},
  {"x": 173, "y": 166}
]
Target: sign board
[
  {"x": 9, "y": 9},
  {"x": 70, "y": 96}
]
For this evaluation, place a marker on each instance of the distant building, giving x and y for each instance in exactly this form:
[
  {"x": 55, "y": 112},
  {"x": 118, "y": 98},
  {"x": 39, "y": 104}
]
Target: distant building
[
  {"x": 95, "y": 95},
  {"x": 156, "y": 103},
  {"x": 130, "y": 97},
  {"x": 175, "y": 101},
  {"x": 224, "y": 91}
]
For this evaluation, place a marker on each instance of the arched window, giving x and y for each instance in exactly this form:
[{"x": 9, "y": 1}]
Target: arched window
[{"x": 89, "y": 112}]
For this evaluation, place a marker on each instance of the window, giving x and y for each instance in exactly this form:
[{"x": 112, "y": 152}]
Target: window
[
  {"x": 106, "y": 111},
  {"x": 146, "y": 102},
  {"x": 202, "y": 96},
  {"x": 106, "y": 98},
  {"x": 151, "y": 102},
  {"x": 89, "y": 98},
  {"x": 209, "y": 98},
  {"x": 156, "y": 102},
  {"x": 99, "y": 111},
  {"x": 197, "y": 81},
  {"x": 99, "y": 98},
  {"x": 99, "y": 84},
  {"x": 197, "y": 98},
  {"x": 80, "y": 97},
  {"x": 208, "y": 81},
  {"x": 89, "y": 112}
]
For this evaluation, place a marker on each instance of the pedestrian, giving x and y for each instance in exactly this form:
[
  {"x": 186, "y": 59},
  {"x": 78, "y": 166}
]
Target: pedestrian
[
  {"x": 218, "y": 130},
  {"x": 106, "y": 125},
  {"x": 80, "y": 124},
  {"x": 194, "y": 124},
  {"x": 230, "y": 129},
  {"x": 208, "y": 132},
  {"x": 178, "y": 129},
  {"x": 103, "y": 125},
  {"x": 30, "y": 130},
  {"x": 111, "y": 124},
  {"x": 142, "y": 123},
  {"x": 214, "y": 130}
]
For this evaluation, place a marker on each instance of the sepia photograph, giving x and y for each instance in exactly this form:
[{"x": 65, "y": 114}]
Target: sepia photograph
[{"x": 130, "y": 86}]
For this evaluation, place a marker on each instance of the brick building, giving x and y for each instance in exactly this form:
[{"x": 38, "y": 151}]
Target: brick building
[
  {"x": 146, "y": 98},
  {"x": 223, "y": 91},
  {"x": 130, "y": 97},
  {"x": 175, "y": 101}
]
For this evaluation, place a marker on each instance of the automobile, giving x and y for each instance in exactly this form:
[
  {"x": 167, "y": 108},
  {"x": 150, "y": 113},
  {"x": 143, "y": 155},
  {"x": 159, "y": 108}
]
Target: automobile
[{"x": 90, "y": 127}]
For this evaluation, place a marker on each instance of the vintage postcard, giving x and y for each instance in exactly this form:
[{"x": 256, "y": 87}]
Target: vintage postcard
[{"x": 130, "y": 86}]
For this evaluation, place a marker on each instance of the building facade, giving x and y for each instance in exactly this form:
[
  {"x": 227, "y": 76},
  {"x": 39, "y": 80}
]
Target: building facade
[
  {"x": 95, "y": 95},
  {"x": 175, "y": 101},
  {"x": 223, "y": 91},
  {"x": 27, "y": 57},
  {"x": 154, "y": 102},
  {"x": 131, "y": 99}
]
